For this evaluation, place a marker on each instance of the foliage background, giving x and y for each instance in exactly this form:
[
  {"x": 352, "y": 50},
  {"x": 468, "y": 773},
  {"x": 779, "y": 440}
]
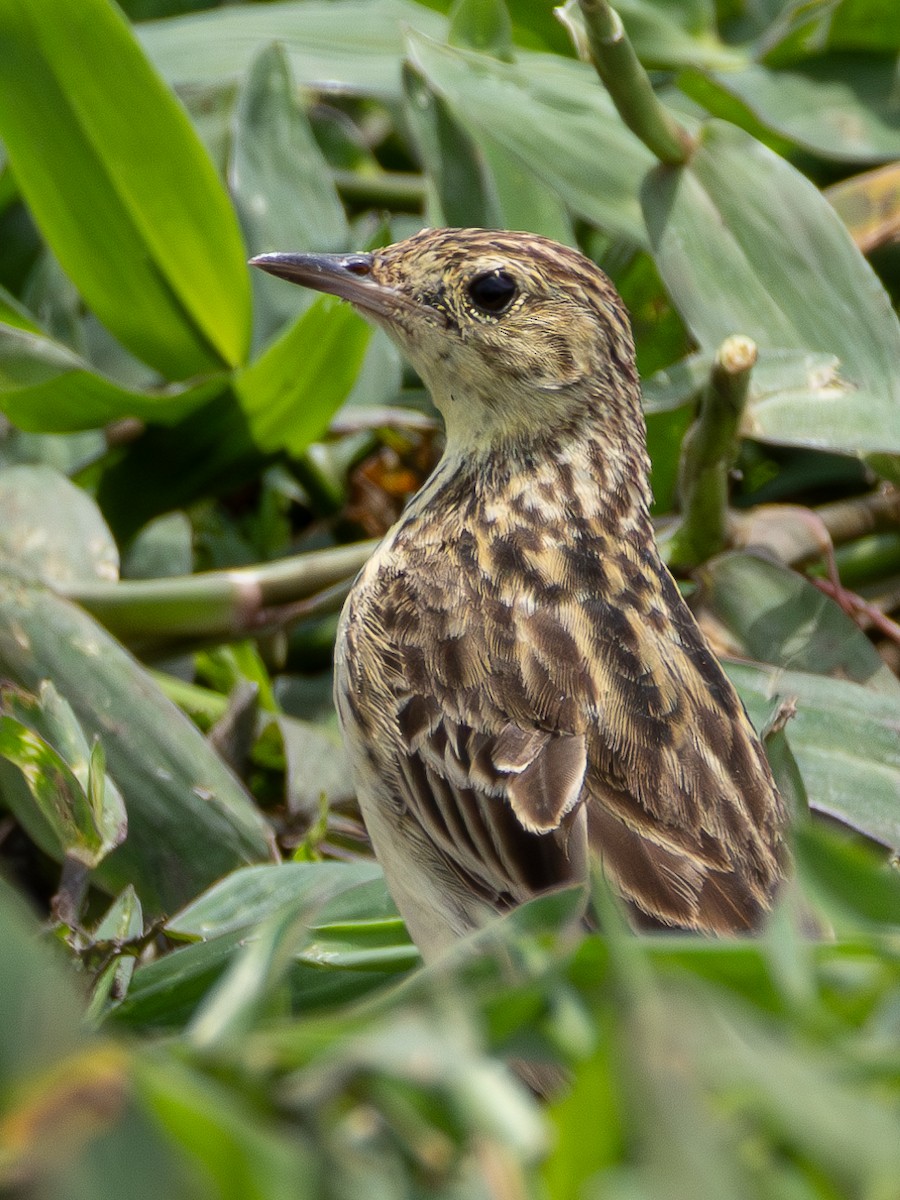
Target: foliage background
[{"x": 204, "y": 988}]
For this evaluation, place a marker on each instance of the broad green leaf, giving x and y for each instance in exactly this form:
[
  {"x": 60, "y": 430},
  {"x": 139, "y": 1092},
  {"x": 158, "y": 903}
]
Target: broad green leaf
[
  {"x": 281, "y": 184},
  {"x": 480, "y": 185},
  {"x": 738, "y": 234},
  {"x": 13, "y": 312},
  {"x": 547, "y": 116},
  {"x": 47, "y": 388},
  {"x": 189, "y": 820},
  {"x": 97, "y": 142},
  {"x": 234, "y": 1005},
  {"x": 778, "y": 617},
  {"x": 290, "y": 393},
  {"x": 52, "y": 530},
  {"x": 162, "y": 549},
  {"x": 350, "y": 47},
  {"x": 334, "y": 901},
  {"x": 844, "y": 738},
  {"x": 840, "y": 107},
  {"x": 248, "y": 896}
]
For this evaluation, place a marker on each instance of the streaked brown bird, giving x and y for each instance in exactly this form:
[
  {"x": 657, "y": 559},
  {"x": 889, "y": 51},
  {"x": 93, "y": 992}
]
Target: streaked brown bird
[{"x": 520, "y": 684}]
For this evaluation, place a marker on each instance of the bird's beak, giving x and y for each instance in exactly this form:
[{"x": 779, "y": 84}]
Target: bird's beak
[{"x": 346, "y": 275}]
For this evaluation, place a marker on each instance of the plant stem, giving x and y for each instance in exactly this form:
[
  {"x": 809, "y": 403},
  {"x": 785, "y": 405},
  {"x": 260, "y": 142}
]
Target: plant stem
[
  {"x": 629, "y": 85},
  {"x": 215, "y": 604},
  {"x": 708, "y": 453}
]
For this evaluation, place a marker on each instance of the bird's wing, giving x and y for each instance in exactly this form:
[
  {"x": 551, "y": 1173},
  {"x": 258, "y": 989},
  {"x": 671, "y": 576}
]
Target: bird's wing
[{"x": 512, "y": 719}]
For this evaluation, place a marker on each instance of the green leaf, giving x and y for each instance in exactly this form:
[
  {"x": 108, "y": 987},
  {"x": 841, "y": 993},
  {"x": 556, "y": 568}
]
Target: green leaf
[
  {"x": 482, "y": 25},
  {"x": 189, "y": 820},
  {"x": 281, "y": 183},
  {"x": 800, "y": 29},
  {"x": 778, "y": 617},
  {"x": 844, "y": 738},
  {"x": 476, "y": 185},
  {"x": 248, "y": 896},
  {"x": 97, "y": 142},
  {"x": 47, "y": 388},
  {"x": 841, "y": 107},
  {"x": 547, "y": 118},
  {"x": 736, "y": 233},
  {"x": 123, "y": 922},
  {"x": 52, "y": 529},
  {"x": 289, "y": 394},
  {"x": 166, "y": 993},
  {"x": 838, "y": 1125},
  {"x": 351, "y": 47},
  {"x": 848, "y": 876}
]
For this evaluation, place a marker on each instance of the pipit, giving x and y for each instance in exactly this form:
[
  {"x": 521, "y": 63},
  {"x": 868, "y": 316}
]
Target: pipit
[{"x": 520, "y": 684}]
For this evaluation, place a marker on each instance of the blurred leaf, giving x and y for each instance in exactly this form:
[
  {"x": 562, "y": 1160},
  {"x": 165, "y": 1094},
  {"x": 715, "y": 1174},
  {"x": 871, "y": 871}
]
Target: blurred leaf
[
  {"x": 39, "y": 1004},
  {"x": 189, "y": 820},
  {"x": 46, "y": 388},
  {"x": 838, "y": 1126},
  {"x": 869, "y": 205},
  {"x": 801, "y": 29},
  {"x": 841, "y": 107},
  {"x": 733, "y": 233},
  {"x": 547, "y": 116},
  {"x": 353, "y": 47},
  {"x": 482, "y": 25},
  {"x": 280, "y": 183},
  {"x": 778, "y": 617},
  {"x": 247, "y": 990},
  {"x": 52, "y": 530},
  {"x": 96, "y": 141},
  {"x": 844, "y": 738},
  {"x": 848, "y": 875},
  {"x": 248, "y": 1155},
  {"x": 164, "y": 548}
]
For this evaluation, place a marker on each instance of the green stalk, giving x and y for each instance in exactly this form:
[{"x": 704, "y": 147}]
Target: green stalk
[
  {"x": 215, "y": 604},
  {"x": 629, "y": 85},
  {"x": 707, "y": 455}
]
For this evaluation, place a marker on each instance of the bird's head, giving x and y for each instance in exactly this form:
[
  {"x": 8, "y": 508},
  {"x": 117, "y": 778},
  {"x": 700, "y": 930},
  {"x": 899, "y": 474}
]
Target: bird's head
[{"x": 513, "y": 334}]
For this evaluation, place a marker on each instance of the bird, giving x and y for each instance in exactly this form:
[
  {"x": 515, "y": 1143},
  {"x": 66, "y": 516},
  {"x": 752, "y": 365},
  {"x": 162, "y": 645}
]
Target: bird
[{"x": 522, "y": 689}]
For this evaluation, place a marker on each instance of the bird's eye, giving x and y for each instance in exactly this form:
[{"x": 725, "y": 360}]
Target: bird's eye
[{"x": 493, "y": 292}]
